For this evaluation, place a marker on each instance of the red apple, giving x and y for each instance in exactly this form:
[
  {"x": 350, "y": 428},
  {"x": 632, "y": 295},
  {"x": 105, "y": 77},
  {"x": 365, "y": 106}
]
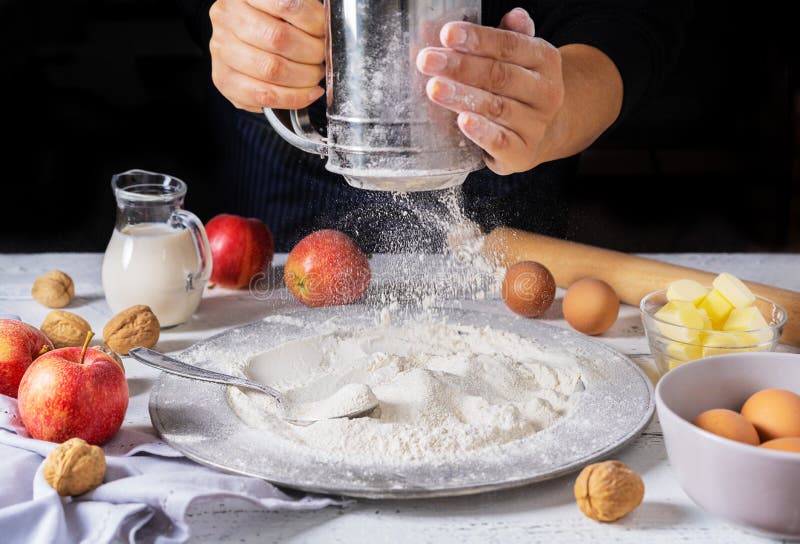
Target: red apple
[
  {"x": 20, "y": 344},
  {"x": 240, "y": 249},
  {"x": 73, "y": 392},
  {"x": 326, "y": 268}
]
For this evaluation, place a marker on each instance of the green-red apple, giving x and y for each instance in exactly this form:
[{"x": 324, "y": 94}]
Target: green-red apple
[
  {"x": 326, "y": 268},
  {"x": 73, "y": 392},
  {"x": 20, "y": 344},
  {"x": 240, "y": 248}
]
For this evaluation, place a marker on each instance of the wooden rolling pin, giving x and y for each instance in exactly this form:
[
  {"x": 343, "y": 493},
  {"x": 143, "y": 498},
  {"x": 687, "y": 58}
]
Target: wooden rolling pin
[{"x": 631, "y": 277}]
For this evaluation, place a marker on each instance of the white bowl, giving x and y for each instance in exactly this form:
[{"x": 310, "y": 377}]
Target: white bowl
[{"x": 749, "y": 486}]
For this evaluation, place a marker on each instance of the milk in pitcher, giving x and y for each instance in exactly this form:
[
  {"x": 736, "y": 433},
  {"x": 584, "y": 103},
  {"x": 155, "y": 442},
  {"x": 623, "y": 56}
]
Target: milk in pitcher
[{"x": 150, "y": 263}]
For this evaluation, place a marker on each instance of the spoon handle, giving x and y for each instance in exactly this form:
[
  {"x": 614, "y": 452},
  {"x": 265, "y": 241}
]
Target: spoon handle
[{"x": 179, "y": 368}]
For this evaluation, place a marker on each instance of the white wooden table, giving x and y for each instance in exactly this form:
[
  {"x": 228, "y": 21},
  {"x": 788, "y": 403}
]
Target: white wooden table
[{"x": 539, "y": 513}]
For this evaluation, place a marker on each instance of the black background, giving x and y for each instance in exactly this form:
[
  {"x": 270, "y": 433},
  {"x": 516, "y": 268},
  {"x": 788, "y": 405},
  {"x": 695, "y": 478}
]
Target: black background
[{"x": 91, "y": 88}]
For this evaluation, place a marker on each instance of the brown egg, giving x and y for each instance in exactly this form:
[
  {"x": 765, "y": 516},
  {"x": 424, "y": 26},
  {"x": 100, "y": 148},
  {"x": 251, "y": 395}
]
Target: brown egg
[
  {"x": 775, "y": 413},
  {"x": 528, "y": 288},
  {"x": 783, "y": 444},
  {"x": 729, "y": 424},
  {"x": 591, "y": 306}
]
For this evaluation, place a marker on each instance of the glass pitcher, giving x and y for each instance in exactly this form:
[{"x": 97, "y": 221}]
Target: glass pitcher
[{"x": 158, "y": 254}]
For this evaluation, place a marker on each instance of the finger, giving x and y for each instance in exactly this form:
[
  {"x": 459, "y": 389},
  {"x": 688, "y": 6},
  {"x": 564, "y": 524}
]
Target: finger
[
  {"x": 504, "y": 45},
  {"x": 498, "y": 142},
  {"x": 254, "y": 95},
  {"x": 265, "y": 32},
  {"x": 492, "y": 75},
  {"x": 307, "y": 15},
  {"x": 506, "y": 112},
  {"x": 518, "y": 20},
  {"x": 263, "y": 66}
]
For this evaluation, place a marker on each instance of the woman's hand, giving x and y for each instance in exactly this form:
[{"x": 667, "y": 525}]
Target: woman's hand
[
  {"x": 506, "y": 86},
  {"x": 268, "y": 53}
]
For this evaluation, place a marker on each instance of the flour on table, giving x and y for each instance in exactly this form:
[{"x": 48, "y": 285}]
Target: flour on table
[{"x": 444, "y": 390}]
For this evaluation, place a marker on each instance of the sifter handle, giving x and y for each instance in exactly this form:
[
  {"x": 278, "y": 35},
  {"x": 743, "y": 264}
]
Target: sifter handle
[{"x": 295, "y": 127}]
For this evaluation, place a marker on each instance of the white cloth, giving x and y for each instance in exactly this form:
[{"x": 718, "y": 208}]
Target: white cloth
[{"x": 147, "y": 489}]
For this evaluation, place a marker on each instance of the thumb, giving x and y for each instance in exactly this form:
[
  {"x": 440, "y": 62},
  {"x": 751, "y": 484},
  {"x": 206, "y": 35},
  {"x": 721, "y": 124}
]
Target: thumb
[{"x": 518, "y": 20}]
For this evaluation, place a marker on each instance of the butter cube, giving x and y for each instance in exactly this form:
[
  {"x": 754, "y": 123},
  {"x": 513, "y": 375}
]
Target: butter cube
[
  {"x": 707, "y": 324},
  {"x": 745, "y": 319},
  {"x": 689, "y": 320},
  {"x": 717, "y": 307},
  {"x": 729, "y": 339},
  {"x": 710, "y": 351},
  {"x": 750, "y": 319},
  {"x": 732, "y": 288},
  {"x": 686, "y": 291},
  {"x": 683, "y": 352},
  {"x": 718, "y": 343}
]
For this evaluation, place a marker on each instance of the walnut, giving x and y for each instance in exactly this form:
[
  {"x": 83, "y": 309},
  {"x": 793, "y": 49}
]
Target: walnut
[
  {"x": 608, "y": 491},
  {"x": 54, "y": 289},
  {"x": 75, "y": 467},
  {"x": 65, "y": 329},
  {"x": 135, "y": 326}
]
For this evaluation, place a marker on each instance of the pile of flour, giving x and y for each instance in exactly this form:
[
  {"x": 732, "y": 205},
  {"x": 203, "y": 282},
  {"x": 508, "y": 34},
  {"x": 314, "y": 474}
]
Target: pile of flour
[{"x": 444, "y": 391}]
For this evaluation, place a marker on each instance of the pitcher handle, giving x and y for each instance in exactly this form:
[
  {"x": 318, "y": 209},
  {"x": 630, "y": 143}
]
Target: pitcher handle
[
  {"x": 190, "y": 221},
  {"x": 295, "y": 127}
]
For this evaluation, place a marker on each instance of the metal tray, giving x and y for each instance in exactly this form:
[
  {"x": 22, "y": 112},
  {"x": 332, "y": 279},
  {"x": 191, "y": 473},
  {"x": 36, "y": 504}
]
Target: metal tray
[{"x": 196, "y": 419}]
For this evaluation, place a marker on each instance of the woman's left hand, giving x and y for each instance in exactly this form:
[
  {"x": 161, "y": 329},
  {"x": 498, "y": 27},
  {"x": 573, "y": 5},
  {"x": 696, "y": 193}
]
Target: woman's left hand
[{"x": 506, "y": 86}]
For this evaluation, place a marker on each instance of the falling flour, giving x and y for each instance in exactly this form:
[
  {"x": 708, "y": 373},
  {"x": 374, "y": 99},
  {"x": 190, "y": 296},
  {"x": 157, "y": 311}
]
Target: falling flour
[
  {"x": 444, "y": 390},
  {"x": 436, "y": 250}
]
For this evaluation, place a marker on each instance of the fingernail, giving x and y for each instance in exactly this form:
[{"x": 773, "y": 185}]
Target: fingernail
[
  {"x": 523, "y": 11},
  {"x": 456, "y": 35},
  {"x": 433, "y": 61},
  {"x": 316, "y": 93},
  {"x": 472, "y": 123},
  {"x": 441, "y": 89}
]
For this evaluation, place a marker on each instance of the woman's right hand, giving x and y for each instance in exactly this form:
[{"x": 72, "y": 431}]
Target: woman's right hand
[{"x": 268, "y": 53}]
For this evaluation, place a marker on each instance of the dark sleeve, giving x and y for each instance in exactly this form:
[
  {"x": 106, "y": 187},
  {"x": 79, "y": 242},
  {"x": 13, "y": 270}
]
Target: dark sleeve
[
  {"x": 642, "y": 37},
  {"x": 195, "y": 15}
]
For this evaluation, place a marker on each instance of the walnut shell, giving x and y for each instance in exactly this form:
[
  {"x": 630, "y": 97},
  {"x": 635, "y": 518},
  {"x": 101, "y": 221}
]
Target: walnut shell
[
  {"x": 75, "y": 467},
  {"x": 54, "y": 289},
  {"x": 65, "y": 329},
  {"x": 608, "y": 491},
  {"x": 132, "y": 327}
]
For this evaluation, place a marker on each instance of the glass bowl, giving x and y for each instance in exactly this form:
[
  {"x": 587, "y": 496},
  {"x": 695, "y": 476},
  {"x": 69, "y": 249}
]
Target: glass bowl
[{"x": 672, "y": 345}]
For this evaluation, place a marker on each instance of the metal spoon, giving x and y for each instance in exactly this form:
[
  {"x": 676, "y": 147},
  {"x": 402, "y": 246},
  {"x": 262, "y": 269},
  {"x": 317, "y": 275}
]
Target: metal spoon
[{"x": 179, "y": 368}]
